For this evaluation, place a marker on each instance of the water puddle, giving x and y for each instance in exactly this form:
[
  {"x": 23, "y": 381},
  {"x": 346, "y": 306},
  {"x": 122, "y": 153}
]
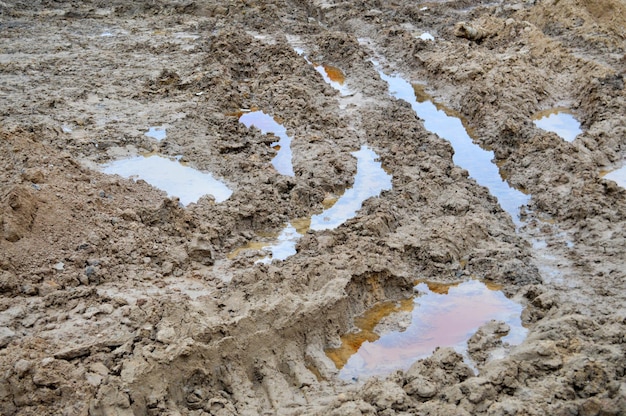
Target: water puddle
[
  {"x": 618, "y": 176},
  {"x": 332, "y": 75},
  {"x": 438, "y": 316},
  {"x": 267, "y": 124},
  {"x": 370, "y": 180},
  {"x": 468, "y": 155},
  {"x": 187, "y": 36},
  {"x": 559, "y": 121},
  {"x": 177, "y": 180},
  {"x": 156, "y": 132}
]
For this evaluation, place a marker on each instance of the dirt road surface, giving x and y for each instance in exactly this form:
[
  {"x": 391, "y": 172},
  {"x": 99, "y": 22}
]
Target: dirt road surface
[{"x": 117, "y": 299}]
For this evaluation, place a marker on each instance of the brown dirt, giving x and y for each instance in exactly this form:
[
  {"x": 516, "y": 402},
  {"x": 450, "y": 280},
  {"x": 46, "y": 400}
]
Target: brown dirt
[{"x": 115, "y": 300}]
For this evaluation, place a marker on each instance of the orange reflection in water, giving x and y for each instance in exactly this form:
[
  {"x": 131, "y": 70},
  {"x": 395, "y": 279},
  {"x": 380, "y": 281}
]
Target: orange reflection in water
[
  {"x": 335, "y": 74},
  {"x": 440, "y": 316}
]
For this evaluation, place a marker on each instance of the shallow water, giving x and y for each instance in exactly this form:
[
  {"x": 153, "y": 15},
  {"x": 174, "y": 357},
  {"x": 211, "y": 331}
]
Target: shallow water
[
  {"x": 331, "y": 74},
  {"x": 558, "y": 121},
  {"x": 157, "y": 133},
  {"x": 266, "y": 123},
  {"x": 440, "y": 316},
  {"x": 333, "y": 77},
  {"x": 618, "y": 176},
  {"x": 370, "y": 180},
  {"x": 467, "y": 154},
  {"x": 177, "y": 180}
]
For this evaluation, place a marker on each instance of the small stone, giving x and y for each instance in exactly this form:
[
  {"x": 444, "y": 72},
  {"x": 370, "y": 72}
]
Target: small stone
[
  {"x": 93, "y": 379},
  {"x": 167, "y": 268},
  {"x": 34, "y": 175},
  {"x": 201, "y": 251},
  {"x": 99, "y": 368},
  {"x": 71, "y": 353},
  {"x": 106, "y": 308},
  {"x": 59, "y": 266},
  {"x": 48, "y": 287},
  {"x": 22, "y": 367},
  {"x": 91, "y": 312},
  {"x": 90, "y": 271},
  {"x": 6, "y": 335},
  {"x": 47, "y": 378},
  {"x": 166, "y": 335},
  {"x": 29, "y": 290}
]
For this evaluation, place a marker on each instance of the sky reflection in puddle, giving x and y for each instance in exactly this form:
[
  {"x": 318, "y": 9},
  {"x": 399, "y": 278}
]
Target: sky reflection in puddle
[
  {"x": 440, "y": 316},
  {"x": 370, "y": 180},
  {"x": 559, "y": 121},
  {"x": 467, "y": 154},
  {"x": 157, "y": 133},
  {"x": 267, "y": 124},
  {"x": 618, "y": 176},
  {"x": 186, "y": 183}
]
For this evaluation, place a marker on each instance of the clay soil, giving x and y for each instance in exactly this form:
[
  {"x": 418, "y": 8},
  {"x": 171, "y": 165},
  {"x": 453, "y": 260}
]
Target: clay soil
[{"x": 116, "y": 300}]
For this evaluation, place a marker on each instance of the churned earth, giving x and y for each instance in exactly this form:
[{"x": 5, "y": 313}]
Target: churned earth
[{"x": 118, "y": 299}]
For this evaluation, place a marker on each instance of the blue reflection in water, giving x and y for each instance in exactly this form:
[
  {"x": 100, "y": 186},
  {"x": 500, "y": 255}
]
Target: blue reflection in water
[
  {"x": 267, "y": 124},
  {"x": 186, "y": 183},
  {"x": 469, "y": 156}
]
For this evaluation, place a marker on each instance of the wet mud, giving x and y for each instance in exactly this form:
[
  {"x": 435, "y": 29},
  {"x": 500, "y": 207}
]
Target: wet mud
[{"x": 120, "y": 298}]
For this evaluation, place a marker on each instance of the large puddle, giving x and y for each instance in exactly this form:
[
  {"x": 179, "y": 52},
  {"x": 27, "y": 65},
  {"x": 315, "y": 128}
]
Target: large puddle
[
  {"x": 467, "y": 154},
  {"x": 266, "y": 123},
  {"x": 170, "y": 176},
  {"x": 559, "y": 121},
  {"x": 438, "y": 316},
  {"x": 370, "y": 180}
]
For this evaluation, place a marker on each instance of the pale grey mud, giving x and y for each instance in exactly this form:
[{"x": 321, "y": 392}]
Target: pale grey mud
[{"x": 288, "y": 280}]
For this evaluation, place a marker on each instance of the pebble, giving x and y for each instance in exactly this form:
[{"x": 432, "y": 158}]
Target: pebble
[
  {"x": 91, "y": 312},
  {"x": 21, "y": 367},
  {"x": 106, "y": 308},
  {"x": 6, "y": 336},
  {"x": 166, "y": 335}
]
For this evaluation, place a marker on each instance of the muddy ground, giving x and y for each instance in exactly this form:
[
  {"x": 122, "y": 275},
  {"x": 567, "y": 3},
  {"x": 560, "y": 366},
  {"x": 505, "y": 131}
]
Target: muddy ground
[{"x": 115, "y": 300}]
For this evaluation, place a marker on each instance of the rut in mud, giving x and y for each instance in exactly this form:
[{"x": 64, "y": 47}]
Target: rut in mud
[{"x": 125, "y": 294}]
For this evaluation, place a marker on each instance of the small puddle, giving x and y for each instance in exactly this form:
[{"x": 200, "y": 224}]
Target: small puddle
[
  {"x": 332, "y": 75},
  {"x": 267, "y": 124},
  {"x": 156, "y": 132},
  {"x": 468, "y": 155},
  {"x": 426, "y": 36},
  {"x": 618, "y": 176},
  {"x": 438, "y": 316},
  {"x": 370, "y": 180},
  {"x": 559, "y": 121},
  {"x": 178, "y": 180}
]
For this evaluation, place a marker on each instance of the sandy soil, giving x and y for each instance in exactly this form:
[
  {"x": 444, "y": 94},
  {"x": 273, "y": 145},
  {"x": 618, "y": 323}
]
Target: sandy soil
[{"x": 116, "y": 300}]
